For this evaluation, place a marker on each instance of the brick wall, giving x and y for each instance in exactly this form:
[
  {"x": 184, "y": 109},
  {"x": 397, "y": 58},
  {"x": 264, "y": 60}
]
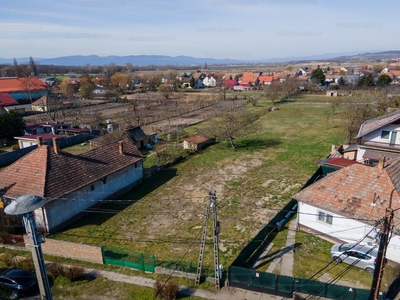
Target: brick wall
[{"x": 72, "y": 250}]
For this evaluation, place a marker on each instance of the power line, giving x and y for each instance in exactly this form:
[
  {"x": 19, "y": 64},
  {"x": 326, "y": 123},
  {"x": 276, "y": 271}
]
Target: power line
[
  {"x": 116, "y": 211},
  {"x": 326, "y": 266},
  {"x": 180, "y": 261}
]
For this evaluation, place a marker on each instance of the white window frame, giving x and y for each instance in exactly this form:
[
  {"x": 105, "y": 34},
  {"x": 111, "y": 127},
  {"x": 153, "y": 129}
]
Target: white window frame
[{"x": 325, "y": 217}]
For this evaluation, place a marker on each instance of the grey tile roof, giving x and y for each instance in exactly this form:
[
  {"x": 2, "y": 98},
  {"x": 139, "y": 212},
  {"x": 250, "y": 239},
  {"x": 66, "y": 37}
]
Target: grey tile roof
[{"x": 376, "y": 123}]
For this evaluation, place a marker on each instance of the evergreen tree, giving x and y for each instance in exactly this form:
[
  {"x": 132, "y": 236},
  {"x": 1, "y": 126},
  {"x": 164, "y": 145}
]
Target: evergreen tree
[
  {"x": 384, "y": 79},
  {"x": 341, "y": 81},
  {"x": 192, "y": 82},
  {"x": 318, "y": 76},
  {"x": 11, "y": 125}
]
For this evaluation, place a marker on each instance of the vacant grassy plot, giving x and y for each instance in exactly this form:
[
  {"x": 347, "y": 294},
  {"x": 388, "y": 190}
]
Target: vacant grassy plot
[{"x": 164, "y": 216}]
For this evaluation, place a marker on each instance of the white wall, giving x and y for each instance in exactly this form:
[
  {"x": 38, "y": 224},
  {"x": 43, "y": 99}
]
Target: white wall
[
  {"x": 375, "y": 136},
  {"x": 344, "y": 229},
  {"x": 58, "y": 211}
]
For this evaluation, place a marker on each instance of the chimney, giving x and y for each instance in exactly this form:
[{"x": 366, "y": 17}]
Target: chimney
[
  {"x": 55, "y": 146},
  {"x": 39, "y": 141},
  {"x": 333, "y": 149},
  {"x": 381, "y": 163},
  {"x": 121, "y": 147}
]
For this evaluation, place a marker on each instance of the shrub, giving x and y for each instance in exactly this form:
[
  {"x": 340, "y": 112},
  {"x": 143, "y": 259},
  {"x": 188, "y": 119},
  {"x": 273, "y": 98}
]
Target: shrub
[
  {"x": 168, "y": 292},
  {"x": 26, "y": 264},
  {"x": 15, "y": 147},
  {"x": 7, "y": 259},
  {"x": 75, "y": 274},
  {"x": 56, "y": 270}
]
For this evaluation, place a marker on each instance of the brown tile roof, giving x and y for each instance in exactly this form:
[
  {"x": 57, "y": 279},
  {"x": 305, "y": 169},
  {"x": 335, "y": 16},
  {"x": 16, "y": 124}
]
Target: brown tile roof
[
  {"x": 12, "y": 84},
  {"x": 376, "y": 123},
  {"x": 47, "y": 100},
  {"x": 197, "y": 138},
  {"x": 350, "y": 191},
  {"x": 46, "y": 174},
  {"x": 6, "y": 99}
]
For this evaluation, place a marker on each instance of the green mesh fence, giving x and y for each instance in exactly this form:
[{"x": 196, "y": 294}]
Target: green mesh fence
[
  {"x": 131, "y": 259},
  {"x": 286, "y": 285},
  {"x": 187, "y": 267}
]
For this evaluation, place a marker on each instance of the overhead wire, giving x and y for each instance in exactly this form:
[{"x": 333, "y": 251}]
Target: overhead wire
[
  {"x": 180, "y": 261},
  {"x": 332, "y": 261}
]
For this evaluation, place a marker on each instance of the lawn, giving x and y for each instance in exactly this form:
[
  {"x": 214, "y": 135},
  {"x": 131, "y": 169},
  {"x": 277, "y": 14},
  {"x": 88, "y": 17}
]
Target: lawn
[{"x": 164, "y": 215}]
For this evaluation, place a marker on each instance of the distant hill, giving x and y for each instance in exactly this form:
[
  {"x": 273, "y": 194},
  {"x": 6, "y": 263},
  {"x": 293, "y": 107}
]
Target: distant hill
[
  {"x": 137, "y": 60},
  {"x": 160, "y": 60}
]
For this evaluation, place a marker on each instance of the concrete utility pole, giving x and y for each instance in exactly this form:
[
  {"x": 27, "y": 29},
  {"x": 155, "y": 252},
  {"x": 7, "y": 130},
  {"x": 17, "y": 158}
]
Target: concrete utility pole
[
  {"x": 26, "y": 205},
  {"x": 384, "y": 241},
  {"x": 211, "y": 205}
]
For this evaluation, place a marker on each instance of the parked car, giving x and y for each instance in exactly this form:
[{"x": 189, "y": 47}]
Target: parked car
[
  {"x": 361, "y": 256},
  {"x": 20, "y": 282}
]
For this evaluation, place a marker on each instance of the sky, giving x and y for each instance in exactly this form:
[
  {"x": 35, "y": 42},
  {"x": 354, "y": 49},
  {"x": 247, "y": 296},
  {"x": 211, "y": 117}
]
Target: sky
[{"x": 237, "y": 29}]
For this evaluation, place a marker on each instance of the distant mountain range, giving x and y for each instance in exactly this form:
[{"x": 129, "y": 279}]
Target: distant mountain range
[{"x": 159, "y": 60}]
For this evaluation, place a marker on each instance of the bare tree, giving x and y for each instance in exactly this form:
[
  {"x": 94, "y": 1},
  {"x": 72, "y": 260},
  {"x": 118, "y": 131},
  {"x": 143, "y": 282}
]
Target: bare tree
[
  {"x": 354, "y": 114},
  {"x": 273, "y": 92},
  {"x": 233, "y": 124}
]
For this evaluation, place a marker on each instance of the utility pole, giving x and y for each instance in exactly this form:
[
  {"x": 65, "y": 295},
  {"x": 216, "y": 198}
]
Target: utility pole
[
  {"x": 211, "y": 206},
  {"x": 380, "y": 261}
]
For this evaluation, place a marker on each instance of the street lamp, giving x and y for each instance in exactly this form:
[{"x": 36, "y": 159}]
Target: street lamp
[{"x": 25, "y": 205}]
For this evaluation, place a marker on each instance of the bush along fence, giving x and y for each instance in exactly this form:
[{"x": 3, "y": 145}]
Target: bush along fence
[{"x": 285, "y": 286}]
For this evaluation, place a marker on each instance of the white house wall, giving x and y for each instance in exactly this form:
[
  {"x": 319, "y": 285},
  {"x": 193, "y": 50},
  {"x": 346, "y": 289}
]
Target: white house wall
[
  {"x": 344, "y": 229},
  {"x": 59, "y": 211},
  {"x": 375, "y": 136}
]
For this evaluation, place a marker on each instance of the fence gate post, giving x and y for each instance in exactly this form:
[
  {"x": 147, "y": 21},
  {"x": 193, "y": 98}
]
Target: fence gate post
[
  {"x": 122, "y": 257},
  {"x": 153, "y": 261},
  {"x": 142, "y": 261}
]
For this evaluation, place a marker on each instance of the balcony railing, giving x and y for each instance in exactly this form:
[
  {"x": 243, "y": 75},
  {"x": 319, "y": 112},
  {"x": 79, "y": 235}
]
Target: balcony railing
[{"x": 380, "y": 144}]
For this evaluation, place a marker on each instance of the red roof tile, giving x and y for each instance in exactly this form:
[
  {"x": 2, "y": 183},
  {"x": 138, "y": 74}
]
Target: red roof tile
[
  {"x": 350, "y": 191},
  {"x": 341, "y": 162},
  {"x": 46, "y": 174},
  {"x": 6, "y": 99},
  {"x": 9, "y": 85}
]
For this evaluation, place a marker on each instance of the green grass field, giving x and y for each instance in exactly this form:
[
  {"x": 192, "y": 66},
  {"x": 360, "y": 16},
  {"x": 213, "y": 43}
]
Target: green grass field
[{"x": 164, "y": 215}]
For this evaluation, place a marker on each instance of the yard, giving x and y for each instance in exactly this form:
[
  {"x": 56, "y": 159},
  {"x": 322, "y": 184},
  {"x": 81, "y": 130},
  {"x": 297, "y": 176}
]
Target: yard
[{"x": 164, "y": 215}]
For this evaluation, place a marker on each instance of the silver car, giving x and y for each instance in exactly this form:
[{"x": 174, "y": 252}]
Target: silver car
[{"x": 361, "y": 256}]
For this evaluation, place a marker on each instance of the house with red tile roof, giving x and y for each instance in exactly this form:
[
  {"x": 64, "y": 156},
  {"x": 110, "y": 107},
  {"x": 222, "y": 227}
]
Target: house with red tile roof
[
  {"x": 6, "y": 103},
  {"x": 249, "y": 77},
  {"x": 265, "y": 80},
  {"x": 344, "y": 206},
  {"x": 197, "y": 142},
  {"x": 72, "y": 183},
  {"x": 379, "y": 137},
  {"x": 22, "y": 88}
]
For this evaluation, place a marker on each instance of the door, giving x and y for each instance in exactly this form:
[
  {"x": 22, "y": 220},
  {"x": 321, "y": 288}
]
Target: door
[{"x": 393, "y": 138}]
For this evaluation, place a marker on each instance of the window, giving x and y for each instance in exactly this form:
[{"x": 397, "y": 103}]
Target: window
[
  {"x": 385, "y": 134},
  {"x": 92, "y": 187},
  {"x": 324, "y": 217}
]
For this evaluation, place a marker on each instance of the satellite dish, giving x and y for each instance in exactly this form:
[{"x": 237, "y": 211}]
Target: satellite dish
[{"x": 25, "y": 204}]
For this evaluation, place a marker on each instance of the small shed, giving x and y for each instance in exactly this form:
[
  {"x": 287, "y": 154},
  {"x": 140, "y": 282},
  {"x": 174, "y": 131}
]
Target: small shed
[{"x": 197, "y": 142}]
